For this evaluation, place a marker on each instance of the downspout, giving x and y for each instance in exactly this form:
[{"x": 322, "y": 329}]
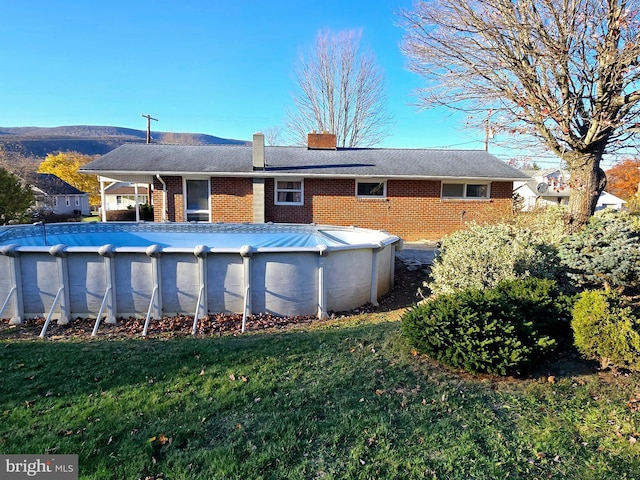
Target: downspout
[
  {"x": 163, "y": 217},
  {"x": 103, "y": 212}
]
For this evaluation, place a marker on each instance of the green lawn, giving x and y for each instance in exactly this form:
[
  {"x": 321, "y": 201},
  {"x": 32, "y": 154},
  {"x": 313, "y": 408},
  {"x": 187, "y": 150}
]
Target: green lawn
[{"x": 337, "y": 402}]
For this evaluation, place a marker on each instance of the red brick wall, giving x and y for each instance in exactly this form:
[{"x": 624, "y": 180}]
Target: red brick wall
[
  {"x": 412, "y": 210},
  {"x": 175, "y": 199},
  {"x": 231, "y": 199}
]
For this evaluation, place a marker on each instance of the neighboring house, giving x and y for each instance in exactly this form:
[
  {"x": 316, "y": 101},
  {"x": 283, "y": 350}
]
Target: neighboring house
[
  {"x": 551, "y": 187},
  {"x": 606, "y": 200},
  {"x": 57, "y": 196},
  {"x": 122, "y": 196},
  {"x": 413, "y": 193}
]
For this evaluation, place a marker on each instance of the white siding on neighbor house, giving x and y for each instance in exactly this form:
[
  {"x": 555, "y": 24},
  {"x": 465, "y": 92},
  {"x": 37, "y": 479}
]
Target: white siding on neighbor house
[
  {"x": 64, "y": 204},
  {"x": 121, "y": 196},
  {"x": 531, "y": 200},
  {"x": 122, "y": 202}
]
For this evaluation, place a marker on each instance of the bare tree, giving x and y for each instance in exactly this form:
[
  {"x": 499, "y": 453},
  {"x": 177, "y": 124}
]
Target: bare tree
[
  {"x": 340, "y": 89},
  {"x": 564, "y": 72},
  {"x": 178, "y": 138},
  {"x": 272, "y": 135},
  {"x": 13, "y": 161}
]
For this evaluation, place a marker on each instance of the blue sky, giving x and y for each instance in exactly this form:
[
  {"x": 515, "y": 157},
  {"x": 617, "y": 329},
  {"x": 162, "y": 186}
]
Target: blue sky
[{"x": 218, "y": 67}]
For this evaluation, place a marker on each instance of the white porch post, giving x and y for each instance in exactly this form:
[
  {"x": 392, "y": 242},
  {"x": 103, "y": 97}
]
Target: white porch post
[{"x": 135, "y": 197}]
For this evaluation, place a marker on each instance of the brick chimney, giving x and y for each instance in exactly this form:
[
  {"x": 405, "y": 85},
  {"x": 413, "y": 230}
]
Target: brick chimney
[{"x": 322, "y": 141}]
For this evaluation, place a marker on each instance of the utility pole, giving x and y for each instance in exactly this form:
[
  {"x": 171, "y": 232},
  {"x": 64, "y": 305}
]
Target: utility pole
[
  {"x": 149, "y": 118},
  {"x": 488, "y": 132}
]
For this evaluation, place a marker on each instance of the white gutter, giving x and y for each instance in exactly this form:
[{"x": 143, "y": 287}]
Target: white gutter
[{"x": 286, "y": 173}]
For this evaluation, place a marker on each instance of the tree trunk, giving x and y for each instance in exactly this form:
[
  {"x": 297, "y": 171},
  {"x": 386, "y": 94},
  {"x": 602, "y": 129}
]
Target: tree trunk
[{"x": 587, "y": 183}]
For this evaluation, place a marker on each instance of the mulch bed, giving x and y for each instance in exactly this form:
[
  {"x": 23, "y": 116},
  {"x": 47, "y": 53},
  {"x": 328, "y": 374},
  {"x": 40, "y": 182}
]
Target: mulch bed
[{"x": 402, "y": 295}]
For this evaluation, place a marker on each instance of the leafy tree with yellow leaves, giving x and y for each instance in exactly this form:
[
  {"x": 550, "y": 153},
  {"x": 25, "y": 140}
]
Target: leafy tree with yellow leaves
[{"x": 65, "y": 165}]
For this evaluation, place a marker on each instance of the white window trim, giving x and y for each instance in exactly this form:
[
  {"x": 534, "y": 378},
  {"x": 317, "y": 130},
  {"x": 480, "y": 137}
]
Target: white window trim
[
  {"x": 464, "y": 190},
  {"x": 276, "y": 190},
  {"x": 372, "y": 180},
  {"x": 185, "y": 199}
]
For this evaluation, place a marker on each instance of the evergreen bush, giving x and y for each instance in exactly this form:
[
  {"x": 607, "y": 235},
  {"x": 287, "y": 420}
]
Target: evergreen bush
[
  {"x": 606, "y": 330},
  {"x": 604, "y": 254},
  {"x": 501, "y": 331},
  {"x": 484, "y": 255}
]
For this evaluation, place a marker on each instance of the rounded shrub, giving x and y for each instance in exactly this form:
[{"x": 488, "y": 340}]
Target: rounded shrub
[
  {"x": 606, "y": 330},
  {"x": 502, "y": 330},
  {"x": 484, "y": 255},
  {"x": 604, "y": 254}
]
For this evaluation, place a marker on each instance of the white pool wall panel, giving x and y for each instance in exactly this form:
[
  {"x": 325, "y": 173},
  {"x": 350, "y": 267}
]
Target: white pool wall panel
[
  {"x": 180, "y": 283},
  {"x": 285, "y": 283},
  {"x": 87, "y": 283},
  {"x": 225, "y": 274},
  {"x": 354, "y": 268}
]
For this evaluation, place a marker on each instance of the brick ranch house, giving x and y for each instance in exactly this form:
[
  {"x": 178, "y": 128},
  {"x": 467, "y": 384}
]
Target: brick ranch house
[{"x": 413, "y": 193}]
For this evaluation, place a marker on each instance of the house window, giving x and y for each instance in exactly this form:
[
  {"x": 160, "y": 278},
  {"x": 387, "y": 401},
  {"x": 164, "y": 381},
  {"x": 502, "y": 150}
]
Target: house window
[
  {"x": 289, "y": 192},
  {"x": 198, "y": 200},
  {"x": 68, "y": 201},
  {"x": 55, "y": 201},
  {"x": 465, "y": 190},
  {"x": 118, "y": 199},
  {"x": 77, "y": 201},
  {"x": 369, "y": 189}
]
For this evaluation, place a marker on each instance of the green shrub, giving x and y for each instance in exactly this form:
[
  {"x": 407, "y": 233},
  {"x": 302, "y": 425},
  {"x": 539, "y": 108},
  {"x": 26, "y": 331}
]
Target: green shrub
[
  {"x": 547, "y": 222},
  {"x": 606, "y": 330},
  {"x": 604, "y": 254},
  {"x": 484, "y": 255},
  {"x": 502, "y": 331}
]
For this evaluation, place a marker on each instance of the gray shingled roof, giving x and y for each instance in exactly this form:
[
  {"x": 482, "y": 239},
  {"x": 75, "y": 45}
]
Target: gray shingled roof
[
  {"x": 236, "y": 160},
  {"x": 53, "y": 185}
]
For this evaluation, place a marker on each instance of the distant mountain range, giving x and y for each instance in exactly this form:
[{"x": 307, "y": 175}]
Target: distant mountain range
[{"x": 92, "y": 140}]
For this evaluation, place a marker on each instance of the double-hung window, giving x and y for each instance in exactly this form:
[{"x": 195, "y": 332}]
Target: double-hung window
[
  {"x": 289, "y": 191},
  {"x": 465, "y": 190},
  {"x": 371, "y": 189}
]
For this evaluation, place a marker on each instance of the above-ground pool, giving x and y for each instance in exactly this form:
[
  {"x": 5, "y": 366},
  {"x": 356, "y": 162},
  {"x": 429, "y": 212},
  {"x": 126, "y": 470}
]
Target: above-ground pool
[{"x": 70, "y": 270}]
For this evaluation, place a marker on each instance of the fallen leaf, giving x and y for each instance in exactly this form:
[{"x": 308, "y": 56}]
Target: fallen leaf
[
  {"x": 202, "y": 372},
  {"x": 232, "y": 377}
]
